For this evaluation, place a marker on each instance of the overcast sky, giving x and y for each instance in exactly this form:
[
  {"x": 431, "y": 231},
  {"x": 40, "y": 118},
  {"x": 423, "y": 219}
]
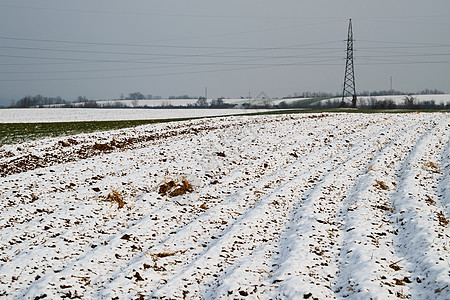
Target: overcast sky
[{"x": 102, "y": 49}]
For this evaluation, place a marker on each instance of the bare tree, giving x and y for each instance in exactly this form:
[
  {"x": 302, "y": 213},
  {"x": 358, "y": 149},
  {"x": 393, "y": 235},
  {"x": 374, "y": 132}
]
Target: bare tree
[
  {"x": 409, "y": 101},
  {"x": 201, "y": 102}
]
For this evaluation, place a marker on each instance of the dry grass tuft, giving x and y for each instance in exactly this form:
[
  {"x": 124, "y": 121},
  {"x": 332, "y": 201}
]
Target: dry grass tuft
[
  {"x": 399, "y": 281},
  {"x": 442, "y": 219},
  {"x": 385, "y": 207},
  {"x": 394, "y": 266},
  {"x": 431, "y": 166},
  {"x": 115, "y": 197},
  {"x": 173, "y": 188},
  {"x": 102, "y": 147},
  {"x": 440, "y": 289},
  {"x": 166, "y": 187},
  {"x": 381, "y": 185},
  {"x": 371, "y": 168},
  {"x": 64, "y": 144},
  {"x": 403, "y": 281},
  {"x": 221, "y": 154},
  {"x": 164, "y": 254},
  {"x": 429, "y": 200}
]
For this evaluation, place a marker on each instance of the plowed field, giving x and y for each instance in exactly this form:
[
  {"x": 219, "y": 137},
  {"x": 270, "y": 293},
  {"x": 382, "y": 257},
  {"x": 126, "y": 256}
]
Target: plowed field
[{"x": 305, "y": 206}]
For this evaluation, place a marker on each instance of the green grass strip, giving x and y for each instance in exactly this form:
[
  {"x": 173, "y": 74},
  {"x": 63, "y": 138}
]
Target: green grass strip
[{"x": 12, "y": 133}]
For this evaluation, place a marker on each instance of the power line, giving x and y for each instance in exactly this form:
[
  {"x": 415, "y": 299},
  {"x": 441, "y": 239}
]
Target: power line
[
  {"x": 405, "y": 43},
  {"x": 166, "y": 64},
  {"x": 312, "y": 63},
  {"x": 166, "y": 46},
  {"x": 202, "y": 55},
  {"x": 149, "y": 54},
  {"x": 172, "y": 73},
  {"x": 158, "y": 56},
  {"x": 225, "y": 54},
  {"x": 246, "y": 62}
]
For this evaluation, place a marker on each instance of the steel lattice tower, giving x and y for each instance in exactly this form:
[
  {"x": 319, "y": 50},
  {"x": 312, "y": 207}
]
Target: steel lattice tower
[{"x": 349, "y": 91}]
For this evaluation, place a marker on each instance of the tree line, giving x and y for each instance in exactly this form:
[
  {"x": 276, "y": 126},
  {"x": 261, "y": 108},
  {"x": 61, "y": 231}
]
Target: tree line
[
  {"x": 363, "y": 93},
  {"x": 408, "y": 102},
  {"x": 365, "y": 100}
]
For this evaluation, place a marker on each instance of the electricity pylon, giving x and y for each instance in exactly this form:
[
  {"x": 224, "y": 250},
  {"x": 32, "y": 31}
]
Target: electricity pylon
[{"x": 349, "y": 92}]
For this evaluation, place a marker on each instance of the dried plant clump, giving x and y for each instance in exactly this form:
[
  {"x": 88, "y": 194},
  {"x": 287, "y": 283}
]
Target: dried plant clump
[
  {"x": 394, "y": 266},
  {"x": 442, "y": 219},
  {"x": 440, "y": 289},
  {"x": 166, "y": 188},
  {"x": 403, "y": 281},
  {"x": 173, "y": 188},
  {"x": 164, "y": 254},
  {"x": 371, "y": 168},
  {"x": 102, "y": 147},
  {"x": 275, "y": 202},
  {"x": 63, "y": 144},
  {"x": 156, "y": 256},
  {"x": 182, "y": 188},
  {"x": 431, "y": 166},
  {"x": 221, "y": 154},
  {"x": 429, "y": 200},
  {"x": 69, "y": 142},
  {"x": 115, "y": 197},
  {"x": 381, "y": 185},
  {"x": 385, "y": 207}
]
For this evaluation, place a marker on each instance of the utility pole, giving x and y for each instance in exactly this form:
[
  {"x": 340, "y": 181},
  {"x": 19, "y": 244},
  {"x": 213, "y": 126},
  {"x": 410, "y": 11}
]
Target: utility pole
[{"x": 349, "y": 90}]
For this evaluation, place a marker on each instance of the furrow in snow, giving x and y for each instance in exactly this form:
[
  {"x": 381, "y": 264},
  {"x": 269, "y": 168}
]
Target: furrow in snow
[
  {"x": 96, "y": 243},
  {"x": 267, "y": 218},
  {"x": 233, "y": 215},
  {"x": 421, "y": 223},
  {"x": 307, "y": 265},
  {"x": 220, "y": 255},
  {"x": 368, "y": 232},
  {"x": 443, "y": 193}
]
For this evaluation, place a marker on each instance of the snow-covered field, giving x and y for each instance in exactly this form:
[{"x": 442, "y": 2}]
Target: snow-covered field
[
  {"x": 38, "y": 115},
  {"x": 308, "y": 206}
]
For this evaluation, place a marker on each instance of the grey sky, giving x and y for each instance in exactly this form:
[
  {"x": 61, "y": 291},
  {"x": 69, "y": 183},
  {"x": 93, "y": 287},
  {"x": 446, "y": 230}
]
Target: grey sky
[{"x": 101, "y": 49}]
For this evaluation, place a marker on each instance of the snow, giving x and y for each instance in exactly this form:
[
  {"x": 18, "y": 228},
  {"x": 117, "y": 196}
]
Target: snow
[
  {"x": 305, "y": 206},
  {"x": 39, "y": 115}
]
